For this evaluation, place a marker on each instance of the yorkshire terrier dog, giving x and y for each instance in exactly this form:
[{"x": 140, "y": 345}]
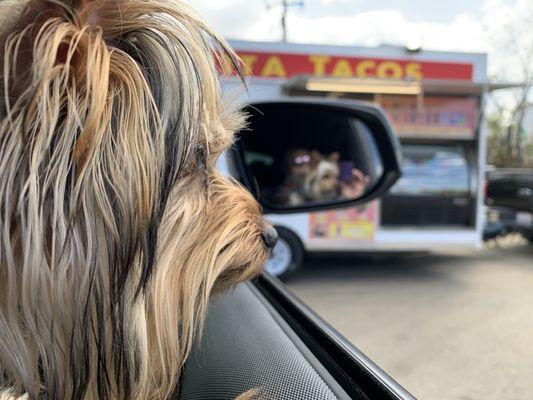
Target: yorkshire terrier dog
[
  {"x": 115, "y": 226},
  {"x": 322, "y": 181}
]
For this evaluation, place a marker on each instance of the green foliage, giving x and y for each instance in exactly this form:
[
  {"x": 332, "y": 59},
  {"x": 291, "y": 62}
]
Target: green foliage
[
  {"x": 528, "y": 155},
  {"x": 502, "y": 146}
]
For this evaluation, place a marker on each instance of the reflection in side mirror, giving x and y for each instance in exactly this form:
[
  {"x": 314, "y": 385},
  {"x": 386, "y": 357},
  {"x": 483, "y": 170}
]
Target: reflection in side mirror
[
  {"x": 331, "y": 162},
  {"x": 305, "y": 156}
]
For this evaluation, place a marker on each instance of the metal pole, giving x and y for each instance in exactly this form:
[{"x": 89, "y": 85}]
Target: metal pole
[
  {"x": 481, "y": 168},
  {"x": 285, "y": 5}
]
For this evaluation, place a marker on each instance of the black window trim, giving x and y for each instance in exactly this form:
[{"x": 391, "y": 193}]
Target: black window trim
[{"x": 353, "y": 370}]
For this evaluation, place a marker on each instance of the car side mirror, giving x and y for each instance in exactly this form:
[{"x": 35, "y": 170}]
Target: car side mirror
[{"x": 301, "y": 155}]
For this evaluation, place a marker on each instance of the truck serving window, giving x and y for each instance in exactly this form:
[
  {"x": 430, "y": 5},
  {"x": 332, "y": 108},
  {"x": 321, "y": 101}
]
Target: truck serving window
[
  {"x": 433, "y": 170},
  {"x": 434, "y": 189}
]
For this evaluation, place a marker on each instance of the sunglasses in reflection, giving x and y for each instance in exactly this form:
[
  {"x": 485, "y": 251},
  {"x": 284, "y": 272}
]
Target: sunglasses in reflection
[{"x": 300, "y": 160}]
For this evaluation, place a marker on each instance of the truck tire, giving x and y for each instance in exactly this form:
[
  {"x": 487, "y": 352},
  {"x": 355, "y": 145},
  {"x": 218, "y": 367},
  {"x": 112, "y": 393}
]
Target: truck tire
[{"x": 287, "y": 256}]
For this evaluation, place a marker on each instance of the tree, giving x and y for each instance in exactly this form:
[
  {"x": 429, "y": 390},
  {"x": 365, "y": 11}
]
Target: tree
[
  {"x": 512, "y": 39},
  {"x": 499, "y": 152}
]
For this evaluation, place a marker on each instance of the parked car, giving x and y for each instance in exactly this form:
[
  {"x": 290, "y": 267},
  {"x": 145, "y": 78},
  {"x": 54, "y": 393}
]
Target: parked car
[
  {"x": 510, "y": 195},
  {"x": 260, "y": 336}
]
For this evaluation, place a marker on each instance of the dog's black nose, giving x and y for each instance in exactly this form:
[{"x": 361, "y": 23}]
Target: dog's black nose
[{"x": 270, "y": 236}]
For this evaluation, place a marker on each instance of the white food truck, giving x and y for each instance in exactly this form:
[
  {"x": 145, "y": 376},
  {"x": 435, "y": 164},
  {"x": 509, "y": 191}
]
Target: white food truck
[{"x": 434, "y": 101}]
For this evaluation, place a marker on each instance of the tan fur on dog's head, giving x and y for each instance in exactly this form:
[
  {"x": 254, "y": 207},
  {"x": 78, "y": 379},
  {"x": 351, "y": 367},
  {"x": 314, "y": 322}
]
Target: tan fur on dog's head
[
  {"x": 321, "y": 182},
  {"x": 115, "y": 228}
]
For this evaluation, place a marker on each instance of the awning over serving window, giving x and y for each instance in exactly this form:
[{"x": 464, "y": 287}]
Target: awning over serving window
[
  {"x": 429, "y": 109},
  {"x": 324, "y": 85}
]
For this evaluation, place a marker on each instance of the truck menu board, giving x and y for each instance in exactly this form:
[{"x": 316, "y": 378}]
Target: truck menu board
[{"x": 451, "y": 117}]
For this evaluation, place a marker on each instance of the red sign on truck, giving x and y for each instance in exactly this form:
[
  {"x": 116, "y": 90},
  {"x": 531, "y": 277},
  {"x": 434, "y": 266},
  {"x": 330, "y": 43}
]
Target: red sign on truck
[{"x": 286, "y": 65}]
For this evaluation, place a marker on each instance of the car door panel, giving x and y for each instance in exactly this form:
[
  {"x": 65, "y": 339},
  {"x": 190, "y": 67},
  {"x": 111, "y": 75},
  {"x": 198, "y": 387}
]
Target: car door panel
[
  {"x": 247, "y": 345},
  {"x": 261, "y": 336}
]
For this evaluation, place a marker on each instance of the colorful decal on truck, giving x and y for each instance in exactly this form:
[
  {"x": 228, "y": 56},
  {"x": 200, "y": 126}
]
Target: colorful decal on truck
[{"x": 350, "y": 224}]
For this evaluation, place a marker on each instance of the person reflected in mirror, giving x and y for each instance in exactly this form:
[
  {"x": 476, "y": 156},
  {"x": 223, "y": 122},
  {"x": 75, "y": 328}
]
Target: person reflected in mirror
[
  {"x": 352, "y": 181},
  {"x": 297, "y": 167}
]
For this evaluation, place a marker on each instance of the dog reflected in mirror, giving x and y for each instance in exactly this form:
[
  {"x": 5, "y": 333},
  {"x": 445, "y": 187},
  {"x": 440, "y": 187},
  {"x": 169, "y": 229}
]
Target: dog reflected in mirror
[
  {"x": 116, "y": 227},
  {"x": 322, "y": 181}
]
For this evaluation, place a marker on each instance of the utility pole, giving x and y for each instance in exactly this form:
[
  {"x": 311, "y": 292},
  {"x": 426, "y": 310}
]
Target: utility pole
[{"x": 285, "y": 5}]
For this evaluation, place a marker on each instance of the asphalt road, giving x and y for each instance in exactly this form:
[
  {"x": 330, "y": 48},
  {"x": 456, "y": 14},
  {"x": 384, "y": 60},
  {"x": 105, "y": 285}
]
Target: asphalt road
[{"x": 446, "y": 326}]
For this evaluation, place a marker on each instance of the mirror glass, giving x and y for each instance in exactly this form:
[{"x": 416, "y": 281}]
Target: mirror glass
[{"x": 299, "y": 155}]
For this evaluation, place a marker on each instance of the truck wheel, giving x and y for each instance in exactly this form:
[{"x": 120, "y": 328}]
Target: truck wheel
[{"x": 287, "y": 256}]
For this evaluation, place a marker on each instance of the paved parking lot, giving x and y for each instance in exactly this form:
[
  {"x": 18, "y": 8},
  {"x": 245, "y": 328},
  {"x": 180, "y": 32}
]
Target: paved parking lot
[{"x": 446, "y": 326}]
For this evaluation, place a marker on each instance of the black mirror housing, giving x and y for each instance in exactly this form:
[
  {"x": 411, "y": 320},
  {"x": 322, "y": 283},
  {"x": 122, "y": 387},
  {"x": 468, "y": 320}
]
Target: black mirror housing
[{"x": 310, "y": 146}]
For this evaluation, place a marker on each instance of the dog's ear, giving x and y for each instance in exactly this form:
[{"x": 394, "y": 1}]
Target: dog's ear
[
  {"x": 334, "y": 157},
  {"x": 316, "y": 157}
]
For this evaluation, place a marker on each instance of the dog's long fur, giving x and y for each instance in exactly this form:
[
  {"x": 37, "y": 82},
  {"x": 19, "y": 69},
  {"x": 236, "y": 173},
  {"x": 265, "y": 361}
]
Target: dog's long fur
[{"x": 115, "y": 228}]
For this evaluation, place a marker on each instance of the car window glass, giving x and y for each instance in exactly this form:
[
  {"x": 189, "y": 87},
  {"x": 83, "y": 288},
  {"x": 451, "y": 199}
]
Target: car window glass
[{"x": 433, "y": 170}]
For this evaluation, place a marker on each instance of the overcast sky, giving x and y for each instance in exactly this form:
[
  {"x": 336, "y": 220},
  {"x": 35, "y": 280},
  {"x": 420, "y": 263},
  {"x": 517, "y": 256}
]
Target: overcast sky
[{"x": 463, "y": 25}]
